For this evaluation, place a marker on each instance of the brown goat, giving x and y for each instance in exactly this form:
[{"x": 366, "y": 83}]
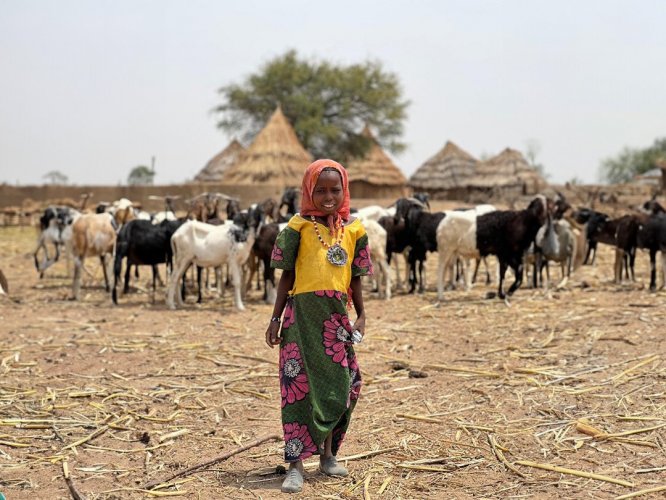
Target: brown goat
[{"x": 92, "y": 235}]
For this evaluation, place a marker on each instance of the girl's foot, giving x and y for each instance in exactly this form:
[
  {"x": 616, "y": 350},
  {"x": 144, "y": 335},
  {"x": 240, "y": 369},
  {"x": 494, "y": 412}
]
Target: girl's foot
[
  {"x": 330, "y": 466},
  {"x": 293, "y": 483}
]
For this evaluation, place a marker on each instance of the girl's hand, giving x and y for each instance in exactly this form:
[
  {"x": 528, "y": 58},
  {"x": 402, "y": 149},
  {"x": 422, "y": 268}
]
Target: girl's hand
[
  {"x": 359, "y": 324},
  {"x": 273, "y": 334}
]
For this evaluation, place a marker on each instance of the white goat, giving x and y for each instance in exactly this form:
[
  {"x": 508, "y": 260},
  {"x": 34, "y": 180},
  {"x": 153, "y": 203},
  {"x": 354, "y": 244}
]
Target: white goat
[
  {"x": 205, "y": 245},
  {"x": 456, "y": 237},
  {"x": 377, "y": 241},
  {"x": 562, "y": 250},
  {"x": 92, "y": 235},
  {"x": 373, "y": 212}
]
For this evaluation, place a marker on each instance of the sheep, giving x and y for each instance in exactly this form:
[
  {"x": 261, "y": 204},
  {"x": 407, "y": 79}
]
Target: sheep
[
  {"x": 92, "y": 235},
  {"x": 507, "y": 234},
  {"x": 206, "y": 245},
  {"x": 456, "y": 237},
  {"x": 143, "y": 244}
]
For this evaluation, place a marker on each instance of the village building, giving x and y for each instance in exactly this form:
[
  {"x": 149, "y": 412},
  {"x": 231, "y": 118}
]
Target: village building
[
  {"x": 505, "y": 176},
  {"x": 275, "y": 157},
  {"x": 375, "y": 175},
  {"x": 214, "y": 170},
  {"x": 445, "y": 175}
]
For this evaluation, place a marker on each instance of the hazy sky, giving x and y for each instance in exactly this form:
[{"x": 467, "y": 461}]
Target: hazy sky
[{"x": 93, "y": 88}]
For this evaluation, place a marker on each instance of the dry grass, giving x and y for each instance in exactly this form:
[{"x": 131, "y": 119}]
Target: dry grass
[{"x": 562, "y": 397}]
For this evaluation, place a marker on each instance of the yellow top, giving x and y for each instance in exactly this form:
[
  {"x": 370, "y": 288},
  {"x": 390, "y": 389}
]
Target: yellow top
[{"x": 313, "y": 270}]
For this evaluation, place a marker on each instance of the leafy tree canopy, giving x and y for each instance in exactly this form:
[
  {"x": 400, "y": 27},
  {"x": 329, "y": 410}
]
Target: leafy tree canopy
[
  {"x": 55, "y": 177},
  {"x": 631, "y": 162},
  {"x": 140, "y": 175},
  {"x": 327, "y": 104}
]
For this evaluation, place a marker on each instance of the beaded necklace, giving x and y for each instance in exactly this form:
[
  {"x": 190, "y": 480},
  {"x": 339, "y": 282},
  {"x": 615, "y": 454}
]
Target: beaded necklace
[{"x": 335, "y": 254}]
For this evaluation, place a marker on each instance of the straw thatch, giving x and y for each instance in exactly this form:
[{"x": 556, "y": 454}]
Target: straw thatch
[
  {"x": 508, "y": 171},
  {"x": 446, "y": 172},
  {"x": 220, "y": 163},
  {"x": 375, "y": 174},
  {"x": 275, "y": 157}
]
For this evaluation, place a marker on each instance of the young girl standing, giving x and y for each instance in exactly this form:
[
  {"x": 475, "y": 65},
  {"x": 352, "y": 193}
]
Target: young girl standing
[{"x": 323, "y": 252}]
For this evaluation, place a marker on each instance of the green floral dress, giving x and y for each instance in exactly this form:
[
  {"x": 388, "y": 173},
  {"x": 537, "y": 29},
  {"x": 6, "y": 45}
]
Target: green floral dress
[{"x": 320, "y": 380}]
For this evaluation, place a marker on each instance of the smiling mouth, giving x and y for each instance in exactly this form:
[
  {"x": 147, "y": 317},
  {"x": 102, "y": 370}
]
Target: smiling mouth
[{"x": 329, "y": 206}]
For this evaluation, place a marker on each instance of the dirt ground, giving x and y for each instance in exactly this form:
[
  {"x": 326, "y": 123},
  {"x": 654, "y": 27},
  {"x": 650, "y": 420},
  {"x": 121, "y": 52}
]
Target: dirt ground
[{"x": 461, "y": 399}]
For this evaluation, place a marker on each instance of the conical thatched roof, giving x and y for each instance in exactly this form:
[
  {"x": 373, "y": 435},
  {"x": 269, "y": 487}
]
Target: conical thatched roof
[
  {"x": 375, "y": 167},
  {"x": 274, "y": 157},
  {"x": 448, "y": 169},
  {"x": 220, "y": 163},
  {"x": 507, "y": 169}
]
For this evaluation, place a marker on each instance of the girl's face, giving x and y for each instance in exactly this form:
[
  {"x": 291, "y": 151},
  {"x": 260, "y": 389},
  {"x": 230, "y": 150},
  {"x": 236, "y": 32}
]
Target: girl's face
[{"x": 328, "y": 195}]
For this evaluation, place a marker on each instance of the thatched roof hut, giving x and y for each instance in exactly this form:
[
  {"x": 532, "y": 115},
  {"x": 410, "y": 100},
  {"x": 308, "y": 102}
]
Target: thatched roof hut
[
  {"x": 375, "y": 175},
  {"x": 445, "y": 174},
  {"x": 220, "y": 163},
  {"x": 507, "y": 175},
  {"x": 275, "y": 157}
]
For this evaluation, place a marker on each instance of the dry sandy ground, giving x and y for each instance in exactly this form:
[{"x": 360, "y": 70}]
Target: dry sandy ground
[{"x": 460, "y": 399}]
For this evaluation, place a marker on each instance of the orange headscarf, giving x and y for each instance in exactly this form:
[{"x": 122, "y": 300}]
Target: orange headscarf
[{"x": 308, "y": 185}]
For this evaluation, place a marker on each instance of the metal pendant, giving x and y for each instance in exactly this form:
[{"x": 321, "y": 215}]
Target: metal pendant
[{"x": 336, "y": 255}]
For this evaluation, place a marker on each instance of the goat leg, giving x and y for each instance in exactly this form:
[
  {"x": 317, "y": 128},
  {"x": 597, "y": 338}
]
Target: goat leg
[
  {"x": 653, "y": 269},
  {"x": 107, "y": 287},
  {"x": 127, "y": 277},
  {"x": 502, "y": 272},
  {"x": 199, "y": 297},
  {"x": 155, "y": 276},
  {"x": 518, "y": 272}
]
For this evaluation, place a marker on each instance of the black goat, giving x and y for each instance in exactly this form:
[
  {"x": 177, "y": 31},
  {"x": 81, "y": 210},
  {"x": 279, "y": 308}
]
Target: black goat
[
  {"x": 262, "y": 251},
  {"x": 290, "y": 197},
  {"x": 507, "y": 234},
  {"x": 422, "y": 228},
  {"x": 143, "y": 243},
  {"x": 597, "y": 230},
  {"x": 397, "y": 238},
  {"x": 651, "y": 235}
]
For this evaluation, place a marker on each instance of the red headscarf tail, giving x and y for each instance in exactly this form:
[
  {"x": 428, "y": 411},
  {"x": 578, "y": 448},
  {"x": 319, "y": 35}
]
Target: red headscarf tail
[{"x": 310, "y": 181}]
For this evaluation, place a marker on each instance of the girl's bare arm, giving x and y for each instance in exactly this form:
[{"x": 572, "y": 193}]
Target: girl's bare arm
[
  {"x": 286, "y": 283},
  {"x": 357, "y": 299}
]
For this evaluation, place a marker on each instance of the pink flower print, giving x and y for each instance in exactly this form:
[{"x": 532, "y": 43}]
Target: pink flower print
[
  {"x": 293, "y": 379},
  {"x": 298, "y": 443},
  {"x": 289, "y": 318},
  {"x": 329, "y": 293},
  {"x": 276, "y": 254},
  {"x": 363, "y": 259},
  {"x": 337, "y": 335}
]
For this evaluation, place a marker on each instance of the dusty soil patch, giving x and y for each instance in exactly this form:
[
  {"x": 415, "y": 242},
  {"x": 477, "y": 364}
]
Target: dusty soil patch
[{"x": 576, "y": 381}]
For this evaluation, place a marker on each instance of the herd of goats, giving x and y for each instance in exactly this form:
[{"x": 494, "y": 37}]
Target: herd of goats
[{"x": 548, "y": 230}]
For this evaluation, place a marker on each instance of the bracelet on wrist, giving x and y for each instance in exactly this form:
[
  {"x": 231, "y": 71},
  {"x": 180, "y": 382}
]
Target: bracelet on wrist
[{"x": 276, "y": 319}]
